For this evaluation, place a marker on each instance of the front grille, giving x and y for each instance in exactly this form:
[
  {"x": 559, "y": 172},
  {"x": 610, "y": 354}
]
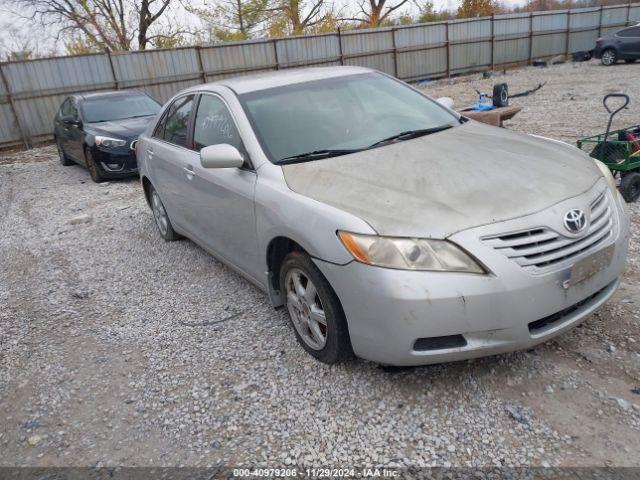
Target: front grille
[
  {"x": 542, "y": 247},
  {"x": 551, "y": 320}
]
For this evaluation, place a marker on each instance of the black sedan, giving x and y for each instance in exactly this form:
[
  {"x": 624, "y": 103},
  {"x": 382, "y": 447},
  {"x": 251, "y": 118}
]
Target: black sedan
[
  {"x": 621, "y": 45},
  {"x": 96, "y": 130}
]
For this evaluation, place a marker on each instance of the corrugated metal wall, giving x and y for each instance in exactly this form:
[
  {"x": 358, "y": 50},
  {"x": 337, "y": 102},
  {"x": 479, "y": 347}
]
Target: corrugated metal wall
[{"x": 31, "y": 91}]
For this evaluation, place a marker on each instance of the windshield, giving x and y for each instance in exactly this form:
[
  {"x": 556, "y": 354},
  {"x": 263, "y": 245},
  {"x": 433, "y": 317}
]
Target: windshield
[
  {"x": 339, "y": 115},
  {"x": 118, "y": 107}
]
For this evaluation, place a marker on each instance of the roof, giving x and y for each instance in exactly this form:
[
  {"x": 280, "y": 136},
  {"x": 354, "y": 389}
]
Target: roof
[
  {"x": 109, "y": 93},
  {"x": 264, "y": 81}
]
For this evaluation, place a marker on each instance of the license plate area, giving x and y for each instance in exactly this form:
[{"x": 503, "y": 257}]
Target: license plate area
[{"x": 589, "y": 266}]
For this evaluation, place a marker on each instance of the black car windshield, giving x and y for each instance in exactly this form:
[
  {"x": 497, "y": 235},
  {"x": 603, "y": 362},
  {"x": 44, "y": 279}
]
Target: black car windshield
[
  {"x": 118, "y": 107},
  {"x": 341, "y": 115}
]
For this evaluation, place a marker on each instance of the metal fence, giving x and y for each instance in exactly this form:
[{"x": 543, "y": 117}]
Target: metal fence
[{"x": 31, "y": 91}]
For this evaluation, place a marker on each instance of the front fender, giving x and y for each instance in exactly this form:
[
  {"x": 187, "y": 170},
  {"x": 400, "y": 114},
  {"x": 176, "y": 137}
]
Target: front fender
[{"x": 281, "y": 212}]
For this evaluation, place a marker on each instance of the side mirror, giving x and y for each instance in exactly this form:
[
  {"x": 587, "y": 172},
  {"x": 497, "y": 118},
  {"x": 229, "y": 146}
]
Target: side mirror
[
  {"x": 69, "y": 120},
  {"x": 221, "y": 156},
  {"x": 445, "y": 102}
]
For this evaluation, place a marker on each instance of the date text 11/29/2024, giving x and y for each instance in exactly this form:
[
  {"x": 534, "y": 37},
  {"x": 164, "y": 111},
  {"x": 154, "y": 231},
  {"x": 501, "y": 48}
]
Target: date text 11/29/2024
[{"x": 367, "y": 472}]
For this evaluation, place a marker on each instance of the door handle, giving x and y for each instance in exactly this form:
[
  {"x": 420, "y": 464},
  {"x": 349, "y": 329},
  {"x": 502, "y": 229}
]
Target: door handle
[
  {"x": 189, "y": 172},
  {"x": 150, "y": 153}
]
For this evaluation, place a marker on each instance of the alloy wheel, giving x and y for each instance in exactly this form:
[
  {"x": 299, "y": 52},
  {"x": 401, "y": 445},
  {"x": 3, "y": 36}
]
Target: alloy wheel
[
  {"x": 159, "y": 213},
  {"x": 305, "y": 309},
  {"x": 608, "y": 58}
]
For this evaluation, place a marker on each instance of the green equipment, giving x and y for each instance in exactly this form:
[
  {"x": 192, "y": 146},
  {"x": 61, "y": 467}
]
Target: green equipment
[{"x": 619, "y": 150}]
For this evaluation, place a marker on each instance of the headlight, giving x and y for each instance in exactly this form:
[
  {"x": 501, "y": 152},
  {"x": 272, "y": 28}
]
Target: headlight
[
  {"x": 409, "y": 253},
  {"x": 109, "y": 142},
  {"x": 608, "y": 175}
]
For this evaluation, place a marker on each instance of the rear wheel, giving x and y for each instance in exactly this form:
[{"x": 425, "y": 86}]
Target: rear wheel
[
  {"x": 609, "y": 57},
  {"x": 161, "y": 217},
  {"x": 64, "y": 160},
  {"x": 92, "y": 167},
  {"x": 314, "y": 310},
  {"x": 630, "y": 186}
]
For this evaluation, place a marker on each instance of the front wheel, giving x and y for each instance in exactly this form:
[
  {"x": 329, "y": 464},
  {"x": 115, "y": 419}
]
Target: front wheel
[
  {"x": 92, "y": 167},
  {"x": 609, "y": 57},
  {"x": 630, "y": 186},
  {"x": 314, "y": 309}
]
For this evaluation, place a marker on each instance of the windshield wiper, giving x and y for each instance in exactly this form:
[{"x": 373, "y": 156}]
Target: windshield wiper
[
  {"x": 318, "y": 154},
  {"x": 409, "y": 134}
]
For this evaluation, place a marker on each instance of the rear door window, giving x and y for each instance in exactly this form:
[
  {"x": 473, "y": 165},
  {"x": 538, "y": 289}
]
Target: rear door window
[{"x": 174, "y": 126}]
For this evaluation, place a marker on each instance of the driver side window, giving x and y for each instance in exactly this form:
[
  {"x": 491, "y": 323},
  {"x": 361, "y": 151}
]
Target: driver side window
[
  {"x": 214, "y": 125},
  {"x": 68, "y": 108}
]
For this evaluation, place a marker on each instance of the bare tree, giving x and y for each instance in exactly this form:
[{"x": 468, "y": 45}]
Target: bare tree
[
  {"x": 110, "y": 25},
  {"x": 147, "y": 17},
  {"x": 374, "y": 13},
  {"x": 234, "y": 19},
  {"x": 294, "y": 17}
]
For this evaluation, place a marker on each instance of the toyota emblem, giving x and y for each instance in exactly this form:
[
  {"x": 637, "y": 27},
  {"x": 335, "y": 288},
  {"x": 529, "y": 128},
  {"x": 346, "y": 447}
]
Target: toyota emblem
[{"x": 575, "y": 220}]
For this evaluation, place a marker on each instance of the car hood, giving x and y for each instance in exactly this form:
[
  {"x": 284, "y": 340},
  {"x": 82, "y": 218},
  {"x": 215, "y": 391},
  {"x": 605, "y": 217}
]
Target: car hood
[
  {"x": 437, "y": 185},
  {"x": 126, "y": 128}
]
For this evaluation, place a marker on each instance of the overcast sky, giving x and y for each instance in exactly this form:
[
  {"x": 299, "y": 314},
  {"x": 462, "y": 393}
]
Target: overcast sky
[{"x": 15, "y": 31}]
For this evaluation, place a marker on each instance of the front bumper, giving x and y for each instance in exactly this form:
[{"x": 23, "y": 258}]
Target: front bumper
[
  {"x": 115, "y": 162},
  {"x": 389, "y": 310}
]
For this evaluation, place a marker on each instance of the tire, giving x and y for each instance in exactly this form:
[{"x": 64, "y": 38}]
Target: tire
[
  {"x": 630, "y": 186},
  {"x": 609, "y": 57},
  {"x": 630, "y": 60},
  {"x": 161, "y": 217},
  {"x": 64, "y": 160},
  {"x": 92, "y": 167},
  {"x": 304, "y": 306}
]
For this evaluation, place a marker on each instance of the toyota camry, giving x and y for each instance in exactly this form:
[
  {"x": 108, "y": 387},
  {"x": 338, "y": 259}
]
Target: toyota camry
[{"x": 388, "y": 226}]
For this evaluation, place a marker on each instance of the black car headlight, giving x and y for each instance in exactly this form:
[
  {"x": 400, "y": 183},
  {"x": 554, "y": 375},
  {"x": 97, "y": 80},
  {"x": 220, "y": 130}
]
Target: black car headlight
[{"x": 109, "y": 142}]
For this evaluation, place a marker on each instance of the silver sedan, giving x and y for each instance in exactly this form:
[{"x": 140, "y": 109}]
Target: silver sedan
[{"x": 389, "y": 226}]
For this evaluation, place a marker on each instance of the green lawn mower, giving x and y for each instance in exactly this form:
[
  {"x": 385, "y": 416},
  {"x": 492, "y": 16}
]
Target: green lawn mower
[{"x": 619, "y": 150}]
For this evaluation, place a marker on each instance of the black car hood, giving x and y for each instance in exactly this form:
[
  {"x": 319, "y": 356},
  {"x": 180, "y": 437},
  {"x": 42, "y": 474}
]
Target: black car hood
[{"x": 126, "y": 128}]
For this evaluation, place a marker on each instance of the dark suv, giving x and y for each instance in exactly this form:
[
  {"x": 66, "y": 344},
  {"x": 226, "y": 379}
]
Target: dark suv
[{"x": 621, "y": 45}]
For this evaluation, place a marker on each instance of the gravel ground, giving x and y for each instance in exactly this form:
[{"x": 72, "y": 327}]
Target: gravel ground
[{"x": 120, "y": 349}]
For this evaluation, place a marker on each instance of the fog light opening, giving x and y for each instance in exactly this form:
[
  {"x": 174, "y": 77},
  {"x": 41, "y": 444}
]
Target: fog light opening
[{"x": 439, "y": 343}]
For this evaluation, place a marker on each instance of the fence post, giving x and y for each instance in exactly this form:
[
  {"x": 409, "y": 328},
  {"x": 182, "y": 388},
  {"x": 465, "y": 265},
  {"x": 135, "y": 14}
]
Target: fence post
[
  {"x": 340, "y": 46},
  {"x": 493, "y": 42},
  {"x": 566, "y": 50},
  {"x": 446, "y": 37},
  {"x": 628, "y": 13},
  {"x": 116, "y": 84},
  {"x": 530, "y": 38},
  {"x": 14, "y": 110},
  {"x": 203, "y": 74},
  {"x": 275, "y": 53},
  {"x": 395, "y": 51},
  {"x": 600, "y": 22}
]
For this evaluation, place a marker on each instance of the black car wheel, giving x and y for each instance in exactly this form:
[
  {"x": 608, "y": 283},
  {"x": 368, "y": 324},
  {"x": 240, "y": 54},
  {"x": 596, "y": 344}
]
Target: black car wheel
[
  {"x": 630, "y": 186},
  {"x": 609, "y": 57},
  {"x": 64, "y": 160},
  {"x": 92, "y": 167},
  {"x": 314, "y": 310}
]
